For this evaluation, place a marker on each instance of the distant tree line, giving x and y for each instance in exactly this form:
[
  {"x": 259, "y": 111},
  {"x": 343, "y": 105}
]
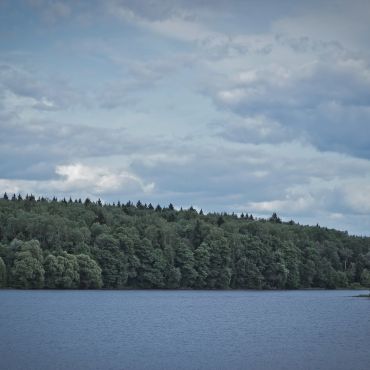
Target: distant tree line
[{"x": 71, "y": 244}]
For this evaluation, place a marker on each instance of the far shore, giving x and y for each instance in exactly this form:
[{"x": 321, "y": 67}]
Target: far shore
[{"x": 197, "y": 290}]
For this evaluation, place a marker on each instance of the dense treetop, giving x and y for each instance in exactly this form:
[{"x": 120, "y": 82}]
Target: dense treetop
[{"x": 83, "y": 244}]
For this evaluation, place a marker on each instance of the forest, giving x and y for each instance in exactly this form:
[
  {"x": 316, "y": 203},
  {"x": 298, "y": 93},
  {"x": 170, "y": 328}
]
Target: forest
[{"x": 84, "y": 244}]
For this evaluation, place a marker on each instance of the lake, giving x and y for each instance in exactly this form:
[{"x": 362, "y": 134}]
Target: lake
[{"x": 184, "y": 330}]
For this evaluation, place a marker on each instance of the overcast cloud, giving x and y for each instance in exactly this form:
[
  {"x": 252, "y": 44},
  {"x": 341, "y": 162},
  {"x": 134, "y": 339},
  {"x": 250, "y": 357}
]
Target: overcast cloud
[{"x": 237, "y": 106}]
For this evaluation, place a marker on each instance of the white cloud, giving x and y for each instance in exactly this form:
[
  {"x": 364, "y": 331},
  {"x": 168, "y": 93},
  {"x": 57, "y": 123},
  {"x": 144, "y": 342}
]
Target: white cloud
[
  {"x": 286, "y": 206},
  {"x": 233, "y": 96},
  {"x": 78, "y": 178},
  {"x": 98, "y": 180}
]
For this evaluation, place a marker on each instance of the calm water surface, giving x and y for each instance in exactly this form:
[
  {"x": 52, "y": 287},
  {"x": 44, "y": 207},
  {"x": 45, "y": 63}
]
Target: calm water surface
[{"x": 184, "y": 330}]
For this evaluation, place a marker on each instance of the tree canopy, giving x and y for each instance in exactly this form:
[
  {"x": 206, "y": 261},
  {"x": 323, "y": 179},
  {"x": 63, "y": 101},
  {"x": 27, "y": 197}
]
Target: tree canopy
[{"x": 88, "y": 245}]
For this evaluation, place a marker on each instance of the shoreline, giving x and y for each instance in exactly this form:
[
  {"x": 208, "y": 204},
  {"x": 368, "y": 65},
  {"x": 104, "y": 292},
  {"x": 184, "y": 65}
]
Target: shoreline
[{"x": 196, "y": 290}]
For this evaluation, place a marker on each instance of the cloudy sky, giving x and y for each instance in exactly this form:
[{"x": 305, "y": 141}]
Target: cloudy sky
[{"x": 244, "y": 106}]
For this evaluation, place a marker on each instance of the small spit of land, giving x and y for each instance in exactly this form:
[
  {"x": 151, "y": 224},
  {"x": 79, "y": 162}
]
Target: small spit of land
[{"x": 67, "y": 244}]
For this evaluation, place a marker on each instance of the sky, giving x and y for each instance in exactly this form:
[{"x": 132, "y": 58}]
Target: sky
[{"x": 229, "y": 106}]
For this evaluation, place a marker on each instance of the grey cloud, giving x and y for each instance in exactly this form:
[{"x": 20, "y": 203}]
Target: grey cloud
[
  {"x": 293, "y": 179},
  {"x": 340, "y": 128},
  {"x": 301, "y": 87},
  {"x": 244, "y": 168},
  {"x": 56, "y": 10},
  {"x": 154, "y": 10},
  {"x": 156, "y": 69},
  {"x": 142, "y": 77},
  {"x": 287, "y": 95},
  {"x": 117, "y": 94},
  {"x": 222, "y": 47},
  {"x": 327, "y": 104},
  {"x": 44, "y": 94},
  {"x": 32, "y": 149},
  {"x": 254, "y": 129},
  {"x": 52, "y": 12},
  {"x": 305, "y": 44},
  {"x": 159, "y": 10}
]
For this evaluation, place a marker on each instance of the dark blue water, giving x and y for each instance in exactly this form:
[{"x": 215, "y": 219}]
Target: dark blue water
[{"x": 184, "y": 330}]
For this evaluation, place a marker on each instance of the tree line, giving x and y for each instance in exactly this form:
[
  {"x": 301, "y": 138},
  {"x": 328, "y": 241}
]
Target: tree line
[{"x": 75, "y": 244}]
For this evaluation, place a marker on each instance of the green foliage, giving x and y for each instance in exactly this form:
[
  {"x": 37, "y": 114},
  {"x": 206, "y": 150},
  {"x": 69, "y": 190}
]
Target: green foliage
[
  {"x": 61, "y": 271},
  {"x": 90, "y": 272},
  {"x": 201, "y": 265},
  {"x": 89, "y": 245},
  {"x": 2, "y": 273},
  {"x": 111, "y": 260},
  {"x": 28, "y": 271},
  {"x": 184, "y": 262},
  {"x": 365, "y": 278}
]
